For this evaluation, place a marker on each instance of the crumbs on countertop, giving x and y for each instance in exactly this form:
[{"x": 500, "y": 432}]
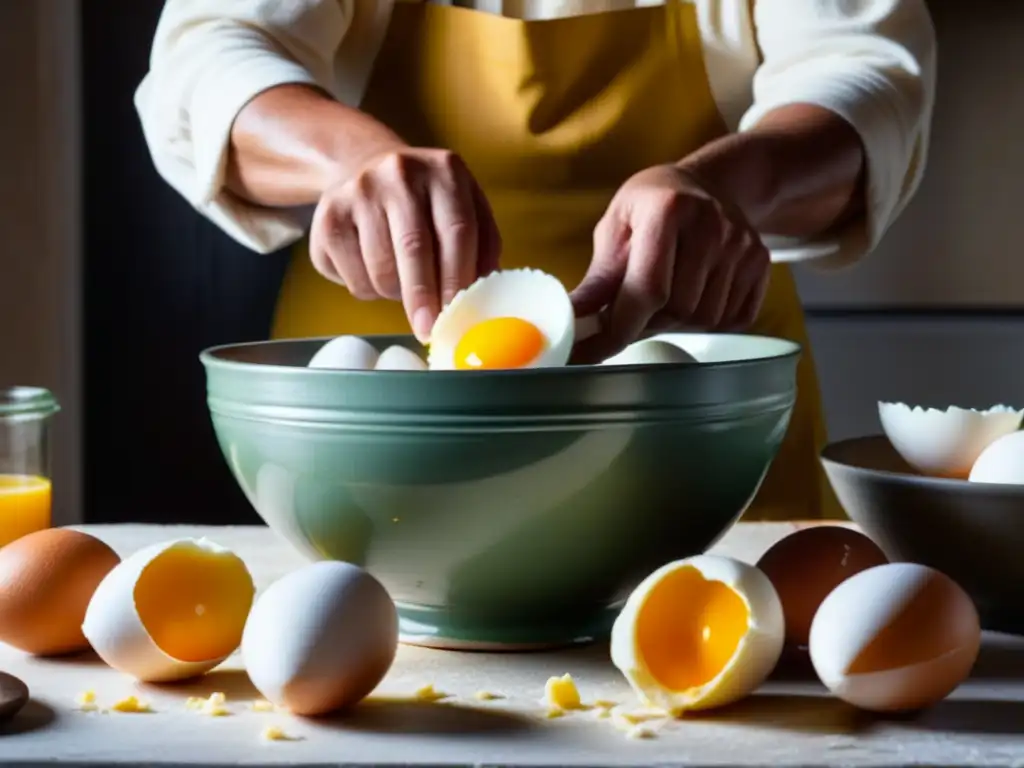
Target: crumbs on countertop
[
  {"x": 131, "y": 705},
  {"x": 430, "y": 694},
  {"x": 214, "y": 706},
  {"x": 276, "y": 733},
  {"x": 562, "y": 692},
  {"x": 87, "y": 701},
  {"x": 487, "y": 696},
  {"x": 262, "y": 705},
  {"x": 640, "y": 732}
]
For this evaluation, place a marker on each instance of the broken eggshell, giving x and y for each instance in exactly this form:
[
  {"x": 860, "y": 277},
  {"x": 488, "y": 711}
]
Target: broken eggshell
[
  {"x": 945, "y": 443},
  {"x": 205, "y": 601}
]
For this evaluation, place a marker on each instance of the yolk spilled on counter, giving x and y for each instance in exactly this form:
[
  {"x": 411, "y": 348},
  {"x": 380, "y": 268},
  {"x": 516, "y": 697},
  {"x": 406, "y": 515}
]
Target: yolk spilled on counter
[{"x": 500, "y": 342}]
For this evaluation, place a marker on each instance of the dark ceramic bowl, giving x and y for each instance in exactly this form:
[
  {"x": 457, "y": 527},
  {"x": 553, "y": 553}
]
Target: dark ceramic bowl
[
  {"x": 972, "y": 532},
  {"x": 503, "y": 509}
]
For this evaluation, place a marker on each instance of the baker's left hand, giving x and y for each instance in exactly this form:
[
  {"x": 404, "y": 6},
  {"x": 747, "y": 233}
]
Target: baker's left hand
[{"x": 669, "y": 254}]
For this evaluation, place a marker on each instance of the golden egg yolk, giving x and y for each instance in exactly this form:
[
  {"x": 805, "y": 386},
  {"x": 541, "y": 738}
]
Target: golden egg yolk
[
  {"x": 689, "y": 628},
  {"x": 500, "y": 342},
  {"x": 194, "y": 603}
]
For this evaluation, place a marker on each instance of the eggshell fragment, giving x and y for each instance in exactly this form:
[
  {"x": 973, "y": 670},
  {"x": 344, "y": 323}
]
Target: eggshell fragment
[
  {"x": 699, "y": 633},
  {"x": 897, "y": 637},
  {"x": 807, "y": 565},
  {"x": 171, "y": 611},
  {"x": 651, "y": 352},
  {"x": 396, "y": 358},
  {"x": 346, "y": 353},
  {"x": 945, "y": 443},
  {"x": 47, "y": 579},
  {"x": 1001, "y": 462},
  {"x": 320, "y": 638}
]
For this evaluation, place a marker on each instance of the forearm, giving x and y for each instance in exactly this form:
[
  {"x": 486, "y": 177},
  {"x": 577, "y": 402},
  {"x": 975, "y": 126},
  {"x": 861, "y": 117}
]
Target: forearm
[
  {"x": 799, "y": 172},
  {"x": 291, "y": 142}
]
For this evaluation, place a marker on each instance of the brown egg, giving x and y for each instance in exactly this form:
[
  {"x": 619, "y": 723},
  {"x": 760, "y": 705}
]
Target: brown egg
[
  {"x": 807, "y": 565},
  {"x": 46, "y": 581}
]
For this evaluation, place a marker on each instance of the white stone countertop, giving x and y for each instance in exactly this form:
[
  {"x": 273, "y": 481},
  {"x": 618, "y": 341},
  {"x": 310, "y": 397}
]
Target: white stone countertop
[{"x": 788, "y": 722}]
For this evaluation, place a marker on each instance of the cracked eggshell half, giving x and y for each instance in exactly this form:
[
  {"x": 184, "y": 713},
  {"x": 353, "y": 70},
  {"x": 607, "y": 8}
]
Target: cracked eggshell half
[
  {"x": 518, "y": 318},
  {"x": 945, "y": 443},
  {"x": 351, "y": 353},
  {"x": 170, "y": 611},
  {"x": 699, "y": 633}
]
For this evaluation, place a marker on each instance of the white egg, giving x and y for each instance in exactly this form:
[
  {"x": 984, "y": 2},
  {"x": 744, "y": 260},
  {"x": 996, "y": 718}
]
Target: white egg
[
  {"x": 346, "y": 353},
  {"x": 519, "y": 318},
  {"x": 320, "y": 638},
  {"x": 651, "y": 352},
  {"x": 699, "y": 633},
  {"x": 170, "y": 611},
  {"x": 895, "y": 637},
  {"x": 1001, "y": 462},
  {"x": 396, "y": 358},
  {"x": 945, "y": 443}
]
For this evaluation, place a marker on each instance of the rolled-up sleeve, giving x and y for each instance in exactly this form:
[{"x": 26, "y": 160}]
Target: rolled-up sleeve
[
  {"x": 209, "y": 59},
  {"x": 872, "y": 62}
]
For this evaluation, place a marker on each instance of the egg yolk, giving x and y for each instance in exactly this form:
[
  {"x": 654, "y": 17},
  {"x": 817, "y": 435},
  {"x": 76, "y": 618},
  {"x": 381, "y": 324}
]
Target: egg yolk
[
  {"x": 689, "y": 628},
  {"x": 194, "y": 603},
  {"x": 500, "y": 342}
]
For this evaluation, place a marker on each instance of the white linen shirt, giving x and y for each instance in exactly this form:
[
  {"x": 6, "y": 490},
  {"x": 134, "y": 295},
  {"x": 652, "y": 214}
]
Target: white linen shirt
[{"x": 870, "y": 61}]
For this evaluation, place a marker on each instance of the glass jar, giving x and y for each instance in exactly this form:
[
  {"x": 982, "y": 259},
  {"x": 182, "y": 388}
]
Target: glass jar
[{"x": 26, "y": 414}]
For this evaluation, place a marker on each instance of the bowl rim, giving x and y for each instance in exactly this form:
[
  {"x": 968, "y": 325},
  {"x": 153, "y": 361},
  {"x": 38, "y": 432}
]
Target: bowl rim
[
  {"x": 211, "y": 357},
  {"x": 947, "y": 484}
]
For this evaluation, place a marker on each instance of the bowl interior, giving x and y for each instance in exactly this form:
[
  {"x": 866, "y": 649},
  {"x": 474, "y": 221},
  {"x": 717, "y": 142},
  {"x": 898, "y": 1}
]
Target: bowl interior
[
  {"x": 973, "y": 532},
  {"x": 706, "y": 348}
]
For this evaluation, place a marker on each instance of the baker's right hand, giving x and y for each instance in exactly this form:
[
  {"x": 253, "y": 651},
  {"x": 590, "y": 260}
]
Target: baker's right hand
[{"x": 412, "y": 225}]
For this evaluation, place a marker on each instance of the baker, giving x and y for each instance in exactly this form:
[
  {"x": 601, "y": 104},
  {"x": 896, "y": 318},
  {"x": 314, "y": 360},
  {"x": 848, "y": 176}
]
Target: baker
[{"x": 665, "y": 159}]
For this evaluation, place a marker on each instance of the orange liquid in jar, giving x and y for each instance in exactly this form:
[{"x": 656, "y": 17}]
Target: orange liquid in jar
[{"x": 25, "y": 502}]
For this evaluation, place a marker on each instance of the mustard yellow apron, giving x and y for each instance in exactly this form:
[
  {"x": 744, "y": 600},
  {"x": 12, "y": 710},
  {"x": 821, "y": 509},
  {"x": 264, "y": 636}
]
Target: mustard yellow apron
[{"x": 552, "y": 117}]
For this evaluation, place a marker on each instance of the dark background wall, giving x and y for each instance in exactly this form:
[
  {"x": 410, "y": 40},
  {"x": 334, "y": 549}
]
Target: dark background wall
[{"x": 161, "y": 284}]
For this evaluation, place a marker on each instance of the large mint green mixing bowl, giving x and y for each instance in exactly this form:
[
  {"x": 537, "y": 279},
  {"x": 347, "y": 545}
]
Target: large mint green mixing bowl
[{"x": 503, "y": 509}]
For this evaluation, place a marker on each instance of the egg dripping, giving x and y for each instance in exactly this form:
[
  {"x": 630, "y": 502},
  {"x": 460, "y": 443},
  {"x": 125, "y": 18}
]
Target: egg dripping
[{"x": 520, "y": 318}]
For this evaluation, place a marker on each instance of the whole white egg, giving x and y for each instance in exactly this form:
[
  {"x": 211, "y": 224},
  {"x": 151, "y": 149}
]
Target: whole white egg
[
  {"x": 321, "y": 638},
  {"x": 397, "y": 358},
  {"x": 346, "y": 353},
  {"x": 520, "y": 318},
  {"x": 651, "y": 352},
  {"x": 896, "y": 637},
  {"x": 1001, "y": 462}
]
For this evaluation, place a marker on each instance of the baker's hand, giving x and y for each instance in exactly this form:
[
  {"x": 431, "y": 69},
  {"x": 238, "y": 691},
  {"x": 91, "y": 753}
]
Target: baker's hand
[
  {"x": 412, "y": 225},
  {"x": 669, "y": 254}
]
